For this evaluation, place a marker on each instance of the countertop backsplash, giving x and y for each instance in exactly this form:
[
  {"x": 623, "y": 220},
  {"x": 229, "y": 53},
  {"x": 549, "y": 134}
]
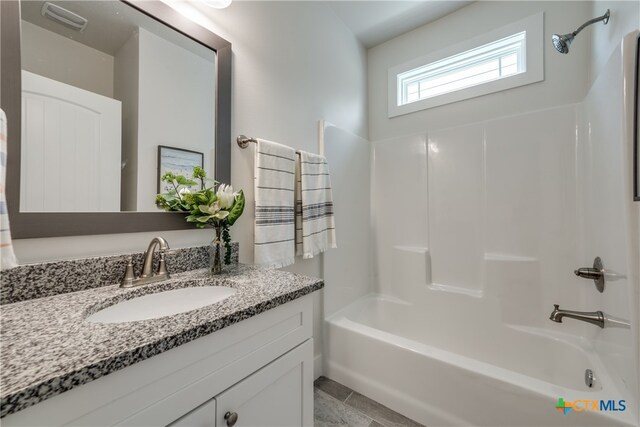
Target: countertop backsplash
[{"x": 39, "y": 280}]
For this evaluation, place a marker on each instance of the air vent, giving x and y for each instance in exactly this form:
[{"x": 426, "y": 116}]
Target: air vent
[{"x": 63, "y": 16}]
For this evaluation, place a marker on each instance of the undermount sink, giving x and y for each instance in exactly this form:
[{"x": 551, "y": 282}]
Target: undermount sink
[{"x": 162, "y": 304}]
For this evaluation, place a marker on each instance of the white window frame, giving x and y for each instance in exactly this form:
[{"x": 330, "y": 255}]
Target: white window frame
[{"x": 534, "y": 51}]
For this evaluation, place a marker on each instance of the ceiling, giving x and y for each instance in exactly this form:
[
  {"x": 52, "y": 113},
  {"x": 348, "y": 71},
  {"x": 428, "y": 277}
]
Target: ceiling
[
  {"x": 371, "y": 21},
  {"x": 111, "y": 24},
  {"x": 374, "y": 22}
]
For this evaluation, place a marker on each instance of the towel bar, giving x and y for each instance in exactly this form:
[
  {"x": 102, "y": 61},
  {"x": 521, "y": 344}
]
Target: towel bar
[{"x": 243, "y": 141}]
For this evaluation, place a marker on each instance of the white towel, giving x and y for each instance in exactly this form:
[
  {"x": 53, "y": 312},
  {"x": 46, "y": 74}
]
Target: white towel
[
  {"x": 315, "y": 224},
  {"x": 275, "y": 210},
  {"x": 7, "y": 257}
]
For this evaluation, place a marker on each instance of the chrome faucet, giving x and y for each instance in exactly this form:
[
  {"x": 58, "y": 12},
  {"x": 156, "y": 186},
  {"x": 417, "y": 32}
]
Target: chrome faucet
[
  {"x": 594, "y": 317},
  {"x": 148, "y": 276},
  {"x": 147, "y": 266}
]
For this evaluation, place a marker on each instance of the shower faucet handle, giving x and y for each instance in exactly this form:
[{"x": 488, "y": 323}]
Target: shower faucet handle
[
  {"x": 595, "y": 273},
  {"x": 588, "y": 273}
]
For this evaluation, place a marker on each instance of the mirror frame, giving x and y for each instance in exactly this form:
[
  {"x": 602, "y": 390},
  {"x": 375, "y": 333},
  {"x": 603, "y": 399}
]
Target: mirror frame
[
  {"x": 636, "y": 126},
  {"x": 26, "y": 225}
]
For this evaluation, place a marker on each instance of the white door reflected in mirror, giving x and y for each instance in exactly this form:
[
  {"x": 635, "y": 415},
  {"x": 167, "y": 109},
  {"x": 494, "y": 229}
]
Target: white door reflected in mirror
[{"x": 71, "y": 141}]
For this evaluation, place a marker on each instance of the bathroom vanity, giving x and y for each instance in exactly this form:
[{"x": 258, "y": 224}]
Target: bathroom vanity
[{"x": 246, "y": 360}]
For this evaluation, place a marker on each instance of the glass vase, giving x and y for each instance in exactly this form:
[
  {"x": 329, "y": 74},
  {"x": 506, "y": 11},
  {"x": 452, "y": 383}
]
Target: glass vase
[{"x": 216, "y": 249}]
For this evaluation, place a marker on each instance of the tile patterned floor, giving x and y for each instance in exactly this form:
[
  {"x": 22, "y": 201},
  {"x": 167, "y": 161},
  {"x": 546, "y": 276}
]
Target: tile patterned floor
[{"x": 338, "y": 405}]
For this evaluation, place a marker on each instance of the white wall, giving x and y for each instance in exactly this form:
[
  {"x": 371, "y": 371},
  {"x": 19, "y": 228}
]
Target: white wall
[
  {"x": 486, "y": 189},
  {"x": 126, "y": 90},
  {"x": 492, "y": 204},
  {"x": 399, "y": 200},
  {"x": 293, "y": 63},
  {"x": 565, "y": 75},
  {"x": 59, "y": 58},
  {"x": 175, "y": 108},
  {"x": 625, "y": 17},
  {"x": 348, "y": 268}
]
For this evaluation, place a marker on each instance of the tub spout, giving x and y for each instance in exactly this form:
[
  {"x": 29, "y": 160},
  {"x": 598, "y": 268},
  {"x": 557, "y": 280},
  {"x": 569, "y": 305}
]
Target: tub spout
[{"x": 593, "y": 317}]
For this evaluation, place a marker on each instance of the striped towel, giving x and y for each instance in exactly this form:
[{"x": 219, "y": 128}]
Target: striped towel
[
  {"x": 7, "y": 257},
  {"x": 315, "y": 226},
  {"x": 275, "y": 216}
]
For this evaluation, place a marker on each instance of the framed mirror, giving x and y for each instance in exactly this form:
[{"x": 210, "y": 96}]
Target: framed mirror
[
  {"x": 100, "y": 96},
  {"x": 636, "y": 128}
]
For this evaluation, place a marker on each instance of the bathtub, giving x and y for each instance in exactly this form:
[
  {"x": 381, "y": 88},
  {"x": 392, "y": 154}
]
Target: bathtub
[{"x": 463, "y": 374}]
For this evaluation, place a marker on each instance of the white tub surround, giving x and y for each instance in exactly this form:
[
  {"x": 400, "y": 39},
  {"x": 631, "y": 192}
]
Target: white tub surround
[
  {"x": 437, "y": 368},
  {"x": 610, "y": 222},
  {"x": 496, "y": 213}
]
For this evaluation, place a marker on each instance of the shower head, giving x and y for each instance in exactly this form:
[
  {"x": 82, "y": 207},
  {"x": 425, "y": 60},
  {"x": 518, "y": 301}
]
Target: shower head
[{"x": 562, "y": 42}]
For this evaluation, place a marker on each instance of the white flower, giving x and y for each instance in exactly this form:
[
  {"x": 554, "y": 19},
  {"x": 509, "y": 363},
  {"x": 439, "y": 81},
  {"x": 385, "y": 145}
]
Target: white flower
[
  {"x": 212, "y": 211},
  {"x": 226, "y": 197},
  {"x": 184, "y": 191}
]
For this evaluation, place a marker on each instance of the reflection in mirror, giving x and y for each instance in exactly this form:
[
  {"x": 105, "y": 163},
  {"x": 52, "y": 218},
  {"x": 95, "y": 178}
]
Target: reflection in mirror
[{"x": 97, "y": 104}]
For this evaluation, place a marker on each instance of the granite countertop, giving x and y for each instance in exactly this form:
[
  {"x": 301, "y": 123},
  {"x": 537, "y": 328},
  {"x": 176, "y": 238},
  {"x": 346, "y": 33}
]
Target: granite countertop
[{"x": 48, "y": 347}]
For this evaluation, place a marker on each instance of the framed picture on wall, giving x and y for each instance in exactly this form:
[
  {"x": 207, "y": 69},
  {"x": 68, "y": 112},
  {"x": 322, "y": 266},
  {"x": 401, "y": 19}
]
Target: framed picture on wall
[{"x": 179, "y": 161}]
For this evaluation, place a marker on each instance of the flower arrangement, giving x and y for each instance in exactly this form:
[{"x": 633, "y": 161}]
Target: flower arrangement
[{"x": 220, "y": 209}]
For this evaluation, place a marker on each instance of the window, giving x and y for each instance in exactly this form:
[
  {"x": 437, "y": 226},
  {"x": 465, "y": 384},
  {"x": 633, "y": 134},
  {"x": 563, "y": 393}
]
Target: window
[
  {"x": 492, "y": 61},
  {"x": 505, "y": 58}
]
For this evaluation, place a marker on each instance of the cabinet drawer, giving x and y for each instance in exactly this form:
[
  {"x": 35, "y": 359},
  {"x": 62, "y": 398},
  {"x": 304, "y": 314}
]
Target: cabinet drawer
[
  {"x": 278, "y": 395},
  {"x": 204, "y": 416}
]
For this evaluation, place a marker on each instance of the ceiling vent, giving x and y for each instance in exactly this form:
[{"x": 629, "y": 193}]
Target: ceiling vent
[{"x": 63, "y": 16}]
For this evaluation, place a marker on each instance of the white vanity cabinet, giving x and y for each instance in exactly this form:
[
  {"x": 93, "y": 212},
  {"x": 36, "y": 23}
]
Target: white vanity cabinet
[
  {"x": 272, "y": 397},
  {"x": 203, "y": 416},
  {"x": 259, "y": 370}
]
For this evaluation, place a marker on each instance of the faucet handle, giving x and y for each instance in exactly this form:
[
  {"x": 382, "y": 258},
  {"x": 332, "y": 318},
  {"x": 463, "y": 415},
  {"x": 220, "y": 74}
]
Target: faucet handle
[
  {"x": 595, "y": 273},
  {"x": 129, "y": 276},
  {"x": 162, "y": 266}
]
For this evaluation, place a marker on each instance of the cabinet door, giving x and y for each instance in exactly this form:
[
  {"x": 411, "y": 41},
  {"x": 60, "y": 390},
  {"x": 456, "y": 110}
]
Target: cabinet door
[
  {"x": 203, "y": 416},
  {"x": 278, "y": 395}
]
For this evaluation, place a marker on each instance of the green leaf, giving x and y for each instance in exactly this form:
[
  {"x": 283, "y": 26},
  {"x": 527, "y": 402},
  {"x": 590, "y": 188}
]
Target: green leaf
[
  {"x": 236, "y": 209},
  {"x": 199, "y": 173},
  {"x": 168, "y": 177},
  {"x": 226, "y": 237},
  {"x": 188, "y": 198},
  {"x": 181, "y": 180}
]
